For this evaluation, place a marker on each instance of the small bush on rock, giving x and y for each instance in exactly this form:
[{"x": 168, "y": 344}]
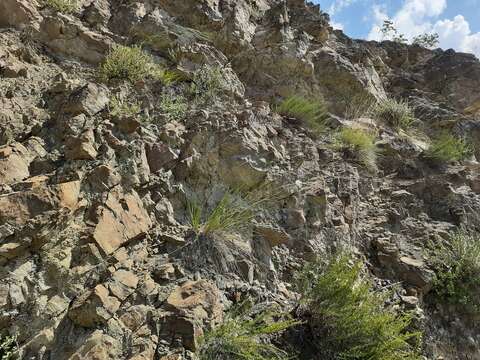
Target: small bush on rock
[
  {"x": 208, "y": 82},
  {"x": 63, "y": 6},
  {"x": 351, "y": 320},
  {"x": 395, "y": 113},
  {"x": 313, "y": 113},
  {"x": 447, "y": 147},
  {"x": 120, "y": 107},
  {"x": 241, "y": 337},
  {"x": 8, "y": 346},
  {"x": 174, "y": 107},
  {"x": 128, "y": 63},
  {"x": 457, "y": 265},
  {"x": 362, "y": 144}
]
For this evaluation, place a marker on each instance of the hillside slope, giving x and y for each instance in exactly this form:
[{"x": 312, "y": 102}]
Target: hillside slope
[{"x": 123, "y": 124}]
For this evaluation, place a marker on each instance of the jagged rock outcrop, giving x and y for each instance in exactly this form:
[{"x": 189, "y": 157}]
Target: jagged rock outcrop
[{"x": 99, "y": 258}]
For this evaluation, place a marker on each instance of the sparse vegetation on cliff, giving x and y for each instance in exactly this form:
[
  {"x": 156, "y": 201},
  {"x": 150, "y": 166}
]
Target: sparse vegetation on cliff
[
  {"x": 447, "y": 147},
  {"x": 242, "y": 337},
  {"x": 313, "y": 113},
  {"x": 63, "y": 6},
  {"x": 395, "y": 113},
  {"x": 361, "y": 144},
  {"x": 457, "y": 265},
  {"x": 351, "y": 318}
]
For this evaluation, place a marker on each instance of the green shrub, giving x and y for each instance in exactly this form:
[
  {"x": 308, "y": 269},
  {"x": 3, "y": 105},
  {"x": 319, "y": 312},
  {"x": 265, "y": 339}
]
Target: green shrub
[
  {"x": 351, "y": 320},
  {"x": 120, "y": 107},
  {"x": 174, "y": 107},
  {"x": 63, "y": 6},
  {"x": 313, "y": 113},
  {"x": 457, "y": 267},
  {"x": 394, "y": 113},
  {"x": 447, "y": 147},
  {"x": 362, "y": 144},
  {"x": 208, "y": 82},
  {"x": 239, "y": 337},
  {"x": 8, "y": 346},
  {"x": 128, "y": 63}
]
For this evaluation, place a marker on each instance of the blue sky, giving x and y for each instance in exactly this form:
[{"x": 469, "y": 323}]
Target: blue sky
[{"x": 456, "y": 21}]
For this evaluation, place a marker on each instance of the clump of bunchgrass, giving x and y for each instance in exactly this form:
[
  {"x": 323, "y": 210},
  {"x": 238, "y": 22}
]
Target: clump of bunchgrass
[
  {"x": 120, "y": 107},
  {"x": 128, "y": 63},
  {"x": 63, "y": 6},
  {"x": 396, "y": 113},
  {"x": 360, "y": 106},
  {"x": 351, "y": 319},
  {"x": 313, "y": 113},
  {"x": 235, "y": 210},
  {"x": 361, "y": 143},
  {"x": 243, "y": 337},
  {"x": 447, "y": 147},
  {"x": 457, "y": 267}
]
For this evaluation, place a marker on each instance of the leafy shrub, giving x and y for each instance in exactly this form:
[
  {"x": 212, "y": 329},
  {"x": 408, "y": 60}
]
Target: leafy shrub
[
  {"x": 239, "y": 337},
  {"x": 395, "y": 113},
  {"x": 312, "y": 112},
  {"x": 63, "y": 6},
  {"x": 8, "y": 346},
  {"x": 426, "y": 40},
  {"x": 174, "y": 107},
  {"x": 235, "y": 210},
  {"x": 447, "y": 147},
  {"x": 362, "y": 144},
  {"x": 208, "y": 82},
  {"x": 351, "y": 320},
  {"x": 128, "y": 63},
  {"x": 457, "y": 265},
  {"x": 120, "y": 107}
]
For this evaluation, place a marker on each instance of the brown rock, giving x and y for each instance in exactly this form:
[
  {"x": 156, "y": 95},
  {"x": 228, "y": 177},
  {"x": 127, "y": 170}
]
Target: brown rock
[
  {"x": 193, "y": 305},
  {"x": 14, "y": 162},
  {"x": 89, "y": 99},
  {"x": 82, "y": 147},
  {"x": 123, "y": 284},
  {"x": 103, "y": 178},
  {"x": 18, "y": 13},
  {"x": 98, "y": 346},
  {"x": 274, "y": 236},
  {"x": 122, "y": 219},
  {"x": 93, "y": 307},
  {"x": 159, "y": 155}
]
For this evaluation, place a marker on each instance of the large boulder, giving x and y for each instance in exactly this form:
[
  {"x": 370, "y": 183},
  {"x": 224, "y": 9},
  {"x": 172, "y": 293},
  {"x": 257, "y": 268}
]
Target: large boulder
[
  {"x": 121, "y": 219},
  {"x": 189, "y": 308}
]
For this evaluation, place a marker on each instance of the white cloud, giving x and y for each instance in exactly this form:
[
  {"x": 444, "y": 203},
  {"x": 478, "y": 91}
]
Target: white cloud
[
  {"x": 339, "y": 5},
  {"x": 416, "y": 17},
  {"x": 336, "y": 25}
]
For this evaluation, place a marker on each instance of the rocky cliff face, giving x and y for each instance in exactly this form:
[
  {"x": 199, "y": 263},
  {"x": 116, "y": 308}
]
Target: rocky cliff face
[{"x": 97, "y": 253}]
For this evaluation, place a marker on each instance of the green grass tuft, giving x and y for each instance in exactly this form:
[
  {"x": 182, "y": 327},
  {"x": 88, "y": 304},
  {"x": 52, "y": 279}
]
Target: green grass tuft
[
  {"x": 235, "y": 210},
  {"x": 397, "y": 114},
  {"x": 128, "y": 63},
  {"x": 313, "y": 113},
  {"x": 457, "y": 265},
  {"x": 63, "y": 6},
  {"x": 446, "y": 148},
  {"x": 240, "y": 337},
  {"x": 362, "y": 144},
  {"x": 350, "y": 318}
]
